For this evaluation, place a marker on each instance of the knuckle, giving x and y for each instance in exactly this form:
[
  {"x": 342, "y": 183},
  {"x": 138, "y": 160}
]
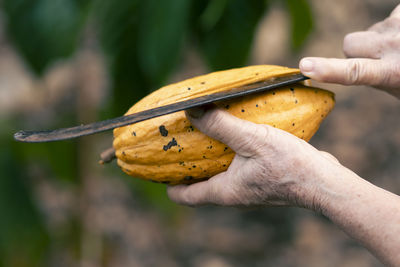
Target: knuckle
[
  {"x": 179, "y": 195},
  {"x": 186, "y": 199},
  {"x": 353, "y": 74},
  {"x": 256, "y": 139},
  {"x": 230, "y": 196},
  {"x": 220, "y": 194},
  {"x": 227, "y": 199},
  {"x": 214, "y": 121},
  {"x": 329, "y": 156},
  {"x": 259, "y": 135}
]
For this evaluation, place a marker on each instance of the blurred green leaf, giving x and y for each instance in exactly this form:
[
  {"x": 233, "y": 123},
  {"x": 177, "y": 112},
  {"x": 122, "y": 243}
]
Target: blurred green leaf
[
  {"x": 161, "y": 34},
  {"x": 301, "y": 21},
  {"x": 212, "y": 14},
  {"x": 142, "y": 41},
  {"x": 59, "y": 157},
  {"x": 44, "y": 30},
  {"x": 117, "y": 23},
  {"x": 227, "y": 44},
  {"x": 23, "y": 237}
]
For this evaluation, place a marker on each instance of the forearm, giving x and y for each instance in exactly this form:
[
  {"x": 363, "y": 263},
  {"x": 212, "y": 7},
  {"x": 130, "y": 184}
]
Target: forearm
[{"x": 367, "y": 213}]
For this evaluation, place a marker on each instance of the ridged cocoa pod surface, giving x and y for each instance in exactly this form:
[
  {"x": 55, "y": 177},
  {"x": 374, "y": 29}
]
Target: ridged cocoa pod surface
[{"x": 170, "y": 150}]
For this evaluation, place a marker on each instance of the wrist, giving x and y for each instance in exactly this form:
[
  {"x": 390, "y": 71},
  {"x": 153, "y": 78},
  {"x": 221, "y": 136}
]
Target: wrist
[
  {"x": 367, "y": 213},
  {"x": 339, "y": 191},
  {"x": 323, "y": 186}
]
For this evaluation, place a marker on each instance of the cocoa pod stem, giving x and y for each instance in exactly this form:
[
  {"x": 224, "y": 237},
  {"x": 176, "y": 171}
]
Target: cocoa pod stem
[{"x": 107, "y": 155}]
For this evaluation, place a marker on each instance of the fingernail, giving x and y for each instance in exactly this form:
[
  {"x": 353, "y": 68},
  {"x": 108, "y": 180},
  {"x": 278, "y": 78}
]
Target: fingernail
[
  {"x": 306, "y": 65},
  {"x": 196, "y": 112}
]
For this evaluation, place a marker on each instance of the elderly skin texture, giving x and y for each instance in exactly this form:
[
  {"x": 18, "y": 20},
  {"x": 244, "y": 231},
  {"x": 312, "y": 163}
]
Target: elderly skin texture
[{"x": 170, "y": 150}]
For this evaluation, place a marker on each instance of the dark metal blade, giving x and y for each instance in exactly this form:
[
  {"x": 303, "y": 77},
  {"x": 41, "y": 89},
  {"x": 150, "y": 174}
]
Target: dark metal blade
[{"x": 101, "y": 126}]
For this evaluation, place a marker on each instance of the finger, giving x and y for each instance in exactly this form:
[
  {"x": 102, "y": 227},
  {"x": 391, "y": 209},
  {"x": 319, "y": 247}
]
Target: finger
[
  {"x": 202, "y": 193},
  {"x": 347, "y": 71},
  {"x": 396, "y": 12},
  {"x": 367, "y": 44},
  {"x": 242, "y": 136},
  {"x": 391, "y": 24}
]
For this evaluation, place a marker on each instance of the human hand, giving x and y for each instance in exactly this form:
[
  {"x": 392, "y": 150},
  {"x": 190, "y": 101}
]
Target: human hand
[
  {"x": 373, "y": 58},
  {"x": 271, "y": 167}
]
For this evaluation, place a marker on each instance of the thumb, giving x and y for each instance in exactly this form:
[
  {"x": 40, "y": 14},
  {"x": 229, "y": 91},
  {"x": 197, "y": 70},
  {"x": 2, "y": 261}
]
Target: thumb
[
  {"x": 354, "y": 71},
  {"x": 244, "y": 137}
]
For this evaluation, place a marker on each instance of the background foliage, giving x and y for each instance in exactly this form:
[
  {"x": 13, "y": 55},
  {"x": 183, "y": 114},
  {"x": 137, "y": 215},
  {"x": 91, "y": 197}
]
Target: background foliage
[{"x": 142, "y": 43}]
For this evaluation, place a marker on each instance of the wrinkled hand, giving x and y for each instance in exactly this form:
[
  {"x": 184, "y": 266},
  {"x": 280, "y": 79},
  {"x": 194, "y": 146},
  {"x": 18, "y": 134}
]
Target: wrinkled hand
[
  {"x": 271, "y": 166},
  {"x": 373, "y": 58}
]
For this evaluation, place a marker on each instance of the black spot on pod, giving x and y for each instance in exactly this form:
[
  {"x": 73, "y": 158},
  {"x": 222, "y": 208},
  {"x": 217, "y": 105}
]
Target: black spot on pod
[
  {"x": 256, "y": 105},
  {"x": 170, "y": 144},
  {"x": 165, "y": 182},
  {"x": 242, "y": 110},
  {"x": 189, "y": 88},
  {"x": 296, "y": 101},
  {"x": 134, "y": 133},
  {"x": 291, "y": 89},
  {"x": 203, "y": 82},
  {"x": 273, "y": 93},
  {"x": 190, "y": 129},
  {"x": 227, "y": 106},
  {"x": 163, "y": 131}
]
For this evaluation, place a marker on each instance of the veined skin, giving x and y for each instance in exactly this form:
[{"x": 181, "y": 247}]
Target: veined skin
[{"x": 168, "y": 149}]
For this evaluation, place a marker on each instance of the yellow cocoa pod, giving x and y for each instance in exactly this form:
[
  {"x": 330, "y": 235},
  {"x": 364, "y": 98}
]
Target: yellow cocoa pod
[{"x": 168, "y": 149}]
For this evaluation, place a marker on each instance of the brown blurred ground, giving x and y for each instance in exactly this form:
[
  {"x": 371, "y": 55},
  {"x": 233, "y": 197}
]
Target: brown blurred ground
[{"x": 363, "y": 132}]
